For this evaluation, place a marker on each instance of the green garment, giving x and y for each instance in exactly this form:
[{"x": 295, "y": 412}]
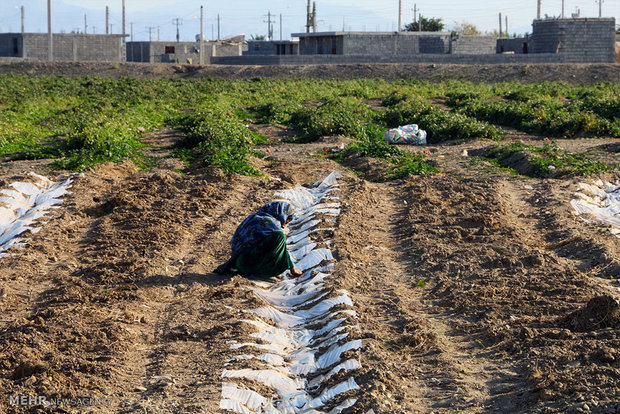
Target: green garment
[{"x": 269, "y": 258}]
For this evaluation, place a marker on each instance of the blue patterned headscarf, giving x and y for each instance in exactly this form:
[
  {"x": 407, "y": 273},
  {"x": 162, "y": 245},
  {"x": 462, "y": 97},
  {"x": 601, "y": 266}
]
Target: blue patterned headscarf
[{"x": 255, "y": 228}]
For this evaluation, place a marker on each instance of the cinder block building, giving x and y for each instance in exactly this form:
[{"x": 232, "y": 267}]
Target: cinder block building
[
  {"x": 183, "y": 52},
  {"x": 576, "y": 39},
  {"x": 272, "y": 47},
  {"x": 373, "y": 43},
  {"x": 67, "y": 47},
  {"x": 473, "y": 45}
]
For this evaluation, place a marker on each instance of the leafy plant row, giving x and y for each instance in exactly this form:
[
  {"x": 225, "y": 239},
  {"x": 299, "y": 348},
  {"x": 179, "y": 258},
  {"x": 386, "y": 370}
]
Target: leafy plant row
[{"x": 542, "y": 115}]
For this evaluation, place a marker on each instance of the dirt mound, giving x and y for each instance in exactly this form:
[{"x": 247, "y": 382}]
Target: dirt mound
[
  {"x": 599, "y": 312},
  {"x": 574, "y": 73},
  {"x": 371, "y": 169}
]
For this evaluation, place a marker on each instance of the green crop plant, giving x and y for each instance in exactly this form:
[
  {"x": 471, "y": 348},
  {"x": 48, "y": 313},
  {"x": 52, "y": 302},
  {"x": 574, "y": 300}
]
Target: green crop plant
[
  {"x": 548, "y": 160},
  {"x": 439, "y": 124},
  {"x": 220, "y": 139},
  {"x": 402, "y": 163},
  {"x": 338, "y": 116}
]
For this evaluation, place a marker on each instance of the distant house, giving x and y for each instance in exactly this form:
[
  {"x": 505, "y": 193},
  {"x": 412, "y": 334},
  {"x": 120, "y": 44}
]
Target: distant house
[
  {"x": 67, "y": 47},
  {"x": 272, "y": 47},
  {"x": 373, "y": 43},
  {"x": 183, "y": 52},
  {"x": 576, "y": 39}
]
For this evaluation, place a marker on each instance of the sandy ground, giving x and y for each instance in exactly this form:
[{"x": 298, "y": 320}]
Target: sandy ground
[{"x": 465, "y": 283}]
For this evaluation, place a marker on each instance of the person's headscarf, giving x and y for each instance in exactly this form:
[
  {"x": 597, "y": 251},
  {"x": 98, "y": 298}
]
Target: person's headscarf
[{"x": 255, "y": 228}]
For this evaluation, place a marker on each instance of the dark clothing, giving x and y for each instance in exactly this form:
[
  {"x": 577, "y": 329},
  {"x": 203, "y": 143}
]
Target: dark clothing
[
  {"x": 267, "y": 259},
  {"x": 255, "y": 228}
]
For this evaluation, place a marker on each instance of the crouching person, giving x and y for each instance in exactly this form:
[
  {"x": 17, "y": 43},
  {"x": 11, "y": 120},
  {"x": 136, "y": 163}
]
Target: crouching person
[{"x": 259, "y": 244}]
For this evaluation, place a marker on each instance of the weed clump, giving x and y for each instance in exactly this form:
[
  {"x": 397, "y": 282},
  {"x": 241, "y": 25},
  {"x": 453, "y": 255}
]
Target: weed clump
[
  {"x": 401, "y": 163},
  {"x": 546, "y": 161},
  {"x": 439, "y": 124},
  {"x": 220, "y": 139},
  {"x": 339, "y": 116}
]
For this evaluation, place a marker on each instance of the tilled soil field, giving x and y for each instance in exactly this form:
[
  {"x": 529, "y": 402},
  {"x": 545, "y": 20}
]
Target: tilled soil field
[
  {"x": 476, "y": 290},
  {"x": 569, "y": 72}
]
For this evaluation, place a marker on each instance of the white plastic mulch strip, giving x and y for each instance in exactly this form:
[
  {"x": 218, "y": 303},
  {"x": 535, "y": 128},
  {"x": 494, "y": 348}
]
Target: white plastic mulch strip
[
  {"x": 304, "y": 327},
  {"x": 599, "y": 202},
  {"x": 23, "y": 204}
]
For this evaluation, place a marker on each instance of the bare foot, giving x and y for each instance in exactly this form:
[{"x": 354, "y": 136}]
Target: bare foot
[{"x": 296, "y": 272}]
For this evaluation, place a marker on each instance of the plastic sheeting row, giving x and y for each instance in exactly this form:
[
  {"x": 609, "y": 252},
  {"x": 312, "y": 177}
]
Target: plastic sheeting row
[
  {"x": 23, "y": 204},
  {"x": 599, "y": 202},
  {"x": 304, "y": 328}
]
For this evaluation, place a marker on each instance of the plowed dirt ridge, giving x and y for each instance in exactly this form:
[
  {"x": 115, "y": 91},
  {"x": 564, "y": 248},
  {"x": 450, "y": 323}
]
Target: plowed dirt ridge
[{"x": 468, "y": 286}]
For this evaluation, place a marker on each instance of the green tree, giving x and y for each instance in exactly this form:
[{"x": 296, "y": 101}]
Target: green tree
[
  {"x": 466, "y": 29},
  {"x": 428, "y": 25},
  {"x": 258, "y": 37}
]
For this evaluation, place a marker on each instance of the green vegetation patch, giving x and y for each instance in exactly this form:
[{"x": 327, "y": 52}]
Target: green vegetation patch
[
  {"x": 84, "y": 121},
  {"x": 554, "y": 109},
  {"x": 219, "y": 139},
  {"x": 545, "y": 161},
  {"x": 439, "y": 124},
  {"x": 400, "y": 163},
  {"x": 338, "y": 116}
]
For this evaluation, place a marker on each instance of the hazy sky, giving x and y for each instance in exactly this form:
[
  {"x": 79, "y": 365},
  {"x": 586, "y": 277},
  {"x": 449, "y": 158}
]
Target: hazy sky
[{"x": 250, "y": 16}]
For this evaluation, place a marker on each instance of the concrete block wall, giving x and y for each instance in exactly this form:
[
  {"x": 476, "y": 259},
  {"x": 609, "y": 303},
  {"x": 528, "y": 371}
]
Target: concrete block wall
[
  {"x": 463, "y": 59},
  {"x": 155, "y": 52},
  {"x": 261, "y": 47},
  {"x": 579, "y": 40},
  {"x": 74, "y": 47},
  {"x": 474, "y": 45},
  {"x": 514, "y": 44},
  {"x": 373, "y": 43}
]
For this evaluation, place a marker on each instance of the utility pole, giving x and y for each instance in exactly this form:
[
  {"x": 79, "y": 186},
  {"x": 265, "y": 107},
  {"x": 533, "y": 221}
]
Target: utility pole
[
  {"x": 314, "y": 17},
  {"x": 269, "y": 26},
  {"x": 212, "y": 31},
  {"x": 500, "y": 25},
  {"x": 308, "y": 18},
  {"x": 124, "y": 42},
  {"x": 400, "y": 13},
  {"x": 85, "y": 26},
  {"x": 218, "y": 27},
  {"x": 562, "y": 15},
  {"x": 415, "y": 13},
  {"x": 202, "y": 37},
  {"x": 419, "y": 22},
  {"x": 600, "y": 8},
  {"x": 23, "y": 26},
  {"x": 280, "y": 26},
  {"x": 343, "y": 27},
  {"x": 131, "y": 30},
  {"x": 111, "y": 27},
  {"x": 538, "y": 9},
  {"x": 507, "y": 34},
  {"x": 178, "y": 22},
  {"x": 150, "y": 29},
  {"x": 107, "y": 20},
  {"x": 50, "y": 36},
  {"x": 158, "y": 33}
]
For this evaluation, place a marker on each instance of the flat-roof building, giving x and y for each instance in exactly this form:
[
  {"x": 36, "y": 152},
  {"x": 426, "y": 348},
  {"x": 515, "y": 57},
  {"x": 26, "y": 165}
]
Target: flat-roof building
[
  {"x": 373, "y": 43},
  {"x": 272, "y": 47},
  {"x": 67, "y": 47},
  {"x": 183, "y": 52}
]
